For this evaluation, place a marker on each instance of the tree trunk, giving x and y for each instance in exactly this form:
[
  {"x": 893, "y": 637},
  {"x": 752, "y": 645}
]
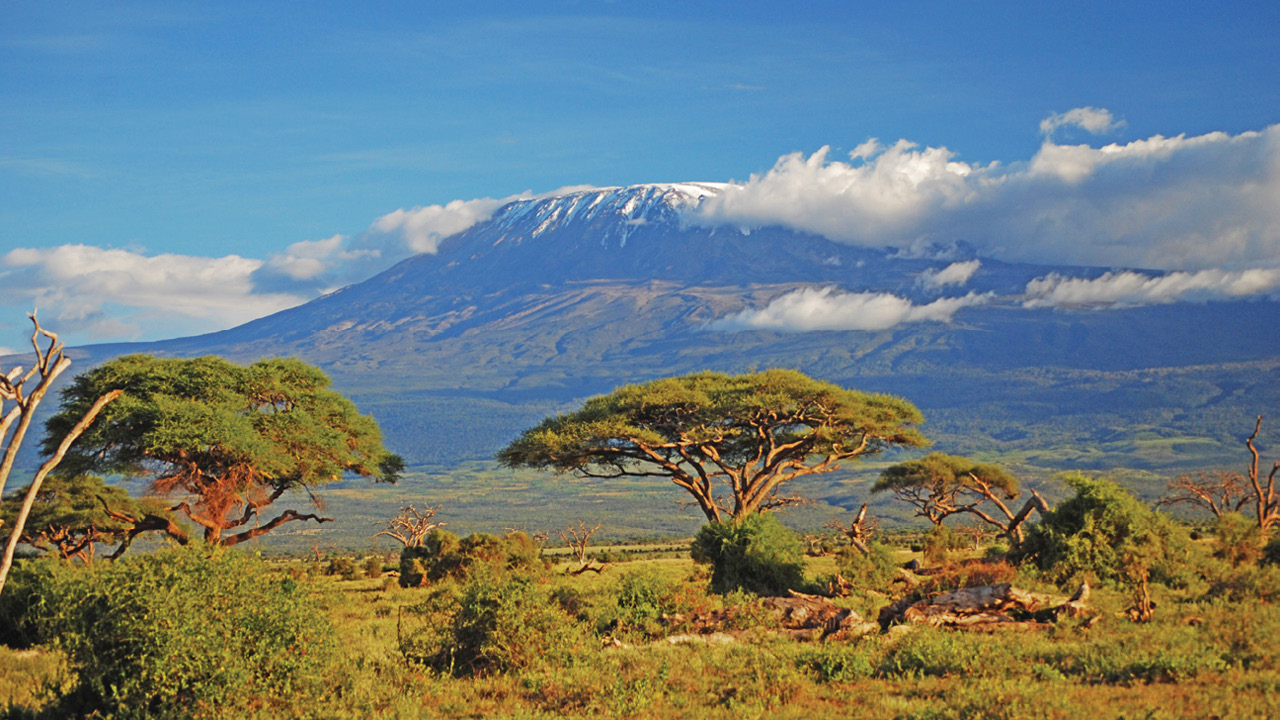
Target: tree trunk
[{"x": 16, "y": 535}]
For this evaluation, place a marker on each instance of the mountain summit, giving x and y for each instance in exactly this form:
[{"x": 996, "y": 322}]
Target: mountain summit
[{"x": 559, "y": 297}]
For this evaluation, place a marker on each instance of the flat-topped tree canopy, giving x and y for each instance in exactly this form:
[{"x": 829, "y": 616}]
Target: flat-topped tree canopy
[
  {"x": 232, "y": 439},
  {"x": 941, "y": 485},
  {"x": 731, "y": 441}
]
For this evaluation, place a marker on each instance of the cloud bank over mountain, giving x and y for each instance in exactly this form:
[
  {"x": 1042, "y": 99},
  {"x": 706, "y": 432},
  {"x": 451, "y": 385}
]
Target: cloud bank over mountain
[
  {"x": 1167, "y": 203},
  {"x": 108, "y": 294},
  {"x": 1131, "y": 289},
  {"x": 1204, "y": 209}
]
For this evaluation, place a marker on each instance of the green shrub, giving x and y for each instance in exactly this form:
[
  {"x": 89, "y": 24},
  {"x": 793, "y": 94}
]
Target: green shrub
[
  {"x": 492, "y": 623},
  {"x": 1104, "y": 532},
  {"x": 756, "y": 554},
  {"x": 32, "y": 600},
  {"x": 1271, "y": 552},
  {"x": 940, "y": 543},
  {"x": 1246, "y": 584},
  {"x": 867, "y": 572},
  {"x": 372, "y": 567},
  {"x": 343, "y": 567},
  {"x": 1237, "y": 539},
  {"x": 646, "y": 603},
  {"x": 839, "y": 662},
  {"x": 181, "y": 633},
  {"x": 444, "y": 555}
]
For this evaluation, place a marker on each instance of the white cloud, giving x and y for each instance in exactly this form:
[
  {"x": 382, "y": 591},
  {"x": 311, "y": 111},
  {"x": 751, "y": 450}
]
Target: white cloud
[
  {"x": 1169, "y": 203},
  {"x": 7, "y": 351},
  {"x": 1094, "y": 120},
  {"x": 308, "y": 259},
  {"x": 1129, "y": 289},
  {"x": 109, "y": 294},
  {"x": 957, "y": 273},
  {"x": 76, "y": 285},
  {"x": 810, "y": 309},
  {"x": 423, "y": 227},
  {"x": 879, "y": 196}
]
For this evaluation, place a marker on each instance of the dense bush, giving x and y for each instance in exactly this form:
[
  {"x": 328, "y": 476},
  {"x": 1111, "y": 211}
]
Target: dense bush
[
  {"x": 491, "y": 623},
  {"x": 444, "y": 555},
  {"x": 179, "y": 633},
  {"x": 1237, "y": 539},
  {"x": 940, "y": 543},
  {"x": 874, "y": 571},
  {"x": 756, "y": 554},
  {"x": 1106, "y": 533},
  {"x": 648, "y": 604},
  {"x": 1271, "y": 552},
  {"x": 31, "y": 599},
  {"x": 343, "y": 567}
]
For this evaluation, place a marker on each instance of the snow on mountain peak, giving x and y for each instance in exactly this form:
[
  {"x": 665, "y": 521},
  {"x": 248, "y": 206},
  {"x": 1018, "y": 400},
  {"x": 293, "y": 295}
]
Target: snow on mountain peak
[{"x": 616, "y": 211}]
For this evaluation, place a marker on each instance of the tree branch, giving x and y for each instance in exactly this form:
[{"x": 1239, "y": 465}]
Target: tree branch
[{"x": 44, "y": 470}]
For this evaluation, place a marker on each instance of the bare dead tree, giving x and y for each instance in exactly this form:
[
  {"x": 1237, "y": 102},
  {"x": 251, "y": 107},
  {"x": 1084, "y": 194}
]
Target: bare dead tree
[
  {"x": 411, "y": 527},
  {"x": 1217, "y": 491},
  {"x": 859, "y": 531},
  {"x": 50, "y": 362},
  {"x": 974, "y": 531},
  {"x": 577, "y": 539},
  {"x": 1266, "y": 507}
]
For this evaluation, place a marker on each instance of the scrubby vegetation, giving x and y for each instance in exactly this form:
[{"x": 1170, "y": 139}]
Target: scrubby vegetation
[
  {"x": 178, "y": 633},
  {"x": 217, "y": 633},
  {"x": 959, "y": 621}
]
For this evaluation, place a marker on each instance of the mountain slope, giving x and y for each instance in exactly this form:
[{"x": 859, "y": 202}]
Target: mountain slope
[{"x": 554, "y": 299}]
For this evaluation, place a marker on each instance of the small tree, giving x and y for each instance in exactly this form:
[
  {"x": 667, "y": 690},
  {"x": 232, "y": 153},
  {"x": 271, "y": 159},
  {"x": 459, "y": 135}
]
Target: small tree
[
  {"x": 411, "y": 527},
  {"x": 1220, "y": 492},
  {"x": 730, "y": 441},
  {"x": 73, "y": 515},
  {"x": 941, "y": 485},
  {"x": 228, "y": 440},
  {"x": 577, "y": 539}
]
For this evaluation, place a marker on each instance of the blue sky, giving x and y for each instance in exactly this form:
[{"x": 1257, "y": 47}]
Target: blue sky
[{"x": 202, "y": 141}]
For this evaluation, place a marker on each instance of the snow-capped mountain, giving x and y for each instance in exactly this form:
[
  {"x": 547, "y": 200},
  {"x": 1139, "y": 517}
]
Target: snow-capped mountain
[
  {"x": 609, "y": 214},
  {"x": 558, "y": 297}
]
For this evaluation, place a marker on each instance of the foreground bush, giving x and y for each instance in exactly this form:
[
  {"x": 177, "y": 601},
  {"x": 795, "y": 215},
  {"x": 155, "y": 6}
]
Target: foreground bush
[
  {"x": 445, "y": 555},
  {"x": 756, "y": 554},
  {"x": 491, "y": 623},
  {"x": 181, "y": 633},
  {"x": 1104, "y": 533},
  {"x": 873, "y": 571}
]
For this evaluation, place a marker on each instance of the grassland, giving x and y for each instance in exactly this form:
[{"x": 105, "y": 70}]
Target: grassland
[{"x": 1205, "y": 655}]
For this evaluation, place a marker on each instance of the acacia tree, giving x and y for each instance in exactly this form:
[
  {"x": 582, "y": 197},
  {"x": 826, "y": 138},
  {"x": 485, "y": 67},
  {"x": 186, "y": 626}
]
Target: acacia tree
[
  {"x": 228, "y": 440},
  {"x": 72, "y": 515},
  {"x": 1220, "y": 492},
  {"x": 730, "y": 441},
  {"x": 941, "y": 485}
]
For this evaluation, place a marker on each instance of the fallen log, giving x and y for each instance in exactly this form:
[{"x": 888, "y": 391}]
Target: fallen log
[{"x": 985, "y": 607}]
